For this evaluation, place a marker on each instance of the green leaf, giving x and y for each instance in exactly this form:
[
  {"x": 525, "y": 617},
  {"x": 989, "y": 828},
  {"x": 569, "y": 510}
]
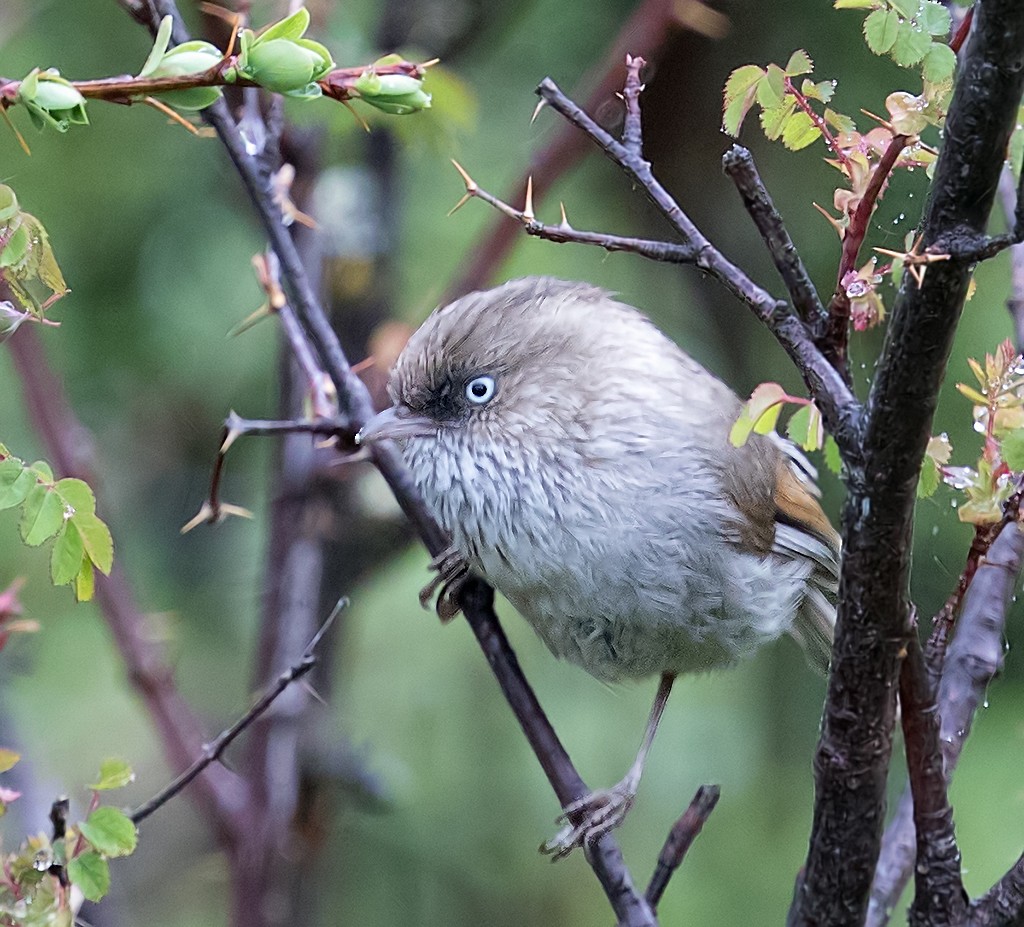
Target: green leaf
[
  {"x": 880, "y": 30},
  {"x": 823, "y": 90},
  {"x": 839, "y": 121},
  {"x": 939, "y": 63},
  {"x": 799, "y": 63},
  {"x": 15, "y": 482},
  {"x": 291, "y": 27},
  {"x": 833, "y": 459},
  {"x": 43, "y": 471},
  {"x": 114, "y": 774},
  {"x": 911, "y": 45},
  {"x": 771, "y": 91},
  {"x": 85, "y": 581},
  {"x": 66, "y": 559},
  {"x": 8, "y": 759},
  {"x": 77, "y": 494},
  {"x": 933, "y": 18},
  {"x": 773, "y": 120},
  {"x": 907, "y": 9},
  {"x": 163, "y": 39},
  {"x": 90, "y": 872},
  {"x": 738, "y": 96},
  {"x": 99, "y": 546},
  {"x": 1012, "y": 449},
  {"x": 928, "y": 482},
  {"x": 855, "y": 4},
  {"x": 799, "y": 132},
  {"x": 110, "y": 831},
  {"x": 804, "y": 427},
  {"x": 42, "y": 515},
  {"x": 759, "y": 413}
]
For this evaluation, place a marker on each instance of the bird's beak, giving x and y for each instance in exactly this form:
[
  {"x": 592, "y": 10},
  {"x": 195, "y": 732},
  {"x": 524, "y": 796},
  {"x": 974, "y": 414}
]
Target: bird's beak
[{"x": 395, "y": 423}]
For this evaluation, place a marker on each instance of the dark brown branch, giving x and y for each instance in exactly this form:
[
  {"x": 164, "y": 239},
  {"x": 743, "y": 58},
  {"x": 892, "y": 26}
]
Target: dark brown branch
[
  {"x": 739, "y": 165},
  {"x": 214, "y": 750},
  {"x": 645, "y": 33},
  {"x": 1003, "y": 904},
  {"x": 939, "y": 898},
  {"x": 680, "y": 839},
  {"x": 851, "y": 764},
  {"x": 628, "y": 904},
  {"x": 840, "y": 408}
]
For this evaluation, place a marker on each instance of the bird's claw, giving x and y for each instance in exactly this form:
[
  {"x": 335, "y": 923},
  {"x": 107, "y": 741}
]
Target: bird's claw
[
  {"x": 594, "y": 815},
  {"x": 452, "y": 572}
]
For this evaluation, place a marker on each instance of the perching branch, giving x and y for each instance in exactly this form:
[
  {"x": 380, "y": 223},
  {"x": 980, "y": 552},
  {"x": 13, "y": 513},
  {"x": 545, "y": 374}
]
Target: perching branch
[
  {"x": 214, "y": 750},
  {"x": 476, "y": 598}
]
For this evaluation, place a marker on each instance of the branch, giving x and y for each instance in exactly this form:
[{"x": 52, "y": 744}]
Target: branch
[
  {"x": 739, "y": 165},
  {"x": 939, "y": 898},
  {"x": 215, "y": 749},
  {"x": 476, "y": 598},
  {"x": 852, "y": 760},
  {"x": 680, "y": 839},
  {"x": 1003, "y": 904},
  {"x": 840, "y": 408},
  {"x": 646, "y": 32}
]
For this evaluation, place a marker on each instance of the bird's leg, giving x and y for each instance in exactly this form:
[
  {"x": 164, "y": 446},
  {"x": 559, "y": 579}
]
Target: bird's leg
[
  {"x": 597, "y": 813},
  {"x": 452, "y": 572}
]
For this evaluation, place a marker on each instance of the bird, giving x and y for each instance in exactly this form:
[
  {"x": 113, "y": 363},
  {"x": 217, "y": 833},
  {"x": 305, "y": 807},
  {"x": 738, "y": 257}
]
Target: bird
[{"x": 581, "y": 464}]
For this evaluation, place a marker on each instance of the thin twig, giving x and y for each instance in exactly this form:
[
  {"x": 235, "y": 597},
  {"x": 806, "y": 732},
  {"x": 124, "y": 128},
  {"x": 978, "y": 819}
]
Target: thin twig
[
  {"x": 215, "y": 748},
  {"x": 840, "y": 408},
  {"x": 680, "y": 839},
  {"x": 838, "y": 333},
  {"x": 645, "y": 32},
  {"x": 632, "y": 129},
  {"x": 739, "y": 165}
]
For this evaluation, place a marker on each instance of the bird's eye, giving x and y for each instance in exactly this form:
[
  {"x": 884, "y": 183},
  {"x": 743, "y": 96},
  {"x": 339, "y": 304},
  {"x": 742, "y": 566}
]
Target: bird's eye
[{"x": 481, "y": 390}]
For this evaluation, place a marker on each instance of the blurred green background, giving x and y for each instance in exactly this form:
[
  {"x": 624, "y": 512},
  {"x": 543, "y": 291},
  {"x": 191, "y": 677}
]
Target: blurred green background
[{"x": 155, "y": 237}]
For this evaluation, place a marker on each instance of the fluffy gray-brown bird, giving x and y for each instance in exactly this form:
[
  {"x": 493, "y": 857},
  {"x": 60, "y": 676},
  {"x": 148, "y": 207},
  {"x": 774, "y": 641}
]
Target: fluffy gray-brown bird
[{"x": 581, "y": 463}]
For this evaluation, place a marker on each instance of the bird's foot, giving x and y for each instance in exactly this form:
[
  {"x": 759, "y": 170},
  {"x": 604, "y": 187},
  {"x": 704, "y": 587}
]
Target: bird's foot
[
  {"x": 589, "y": 818},
  {"x": 452, "y": 573}
]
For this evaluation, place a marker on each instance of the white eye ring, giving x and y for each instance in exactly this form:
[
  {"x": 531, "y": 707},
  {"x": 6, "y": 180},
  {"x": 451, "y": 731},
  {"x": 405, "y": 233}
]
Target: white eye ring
[{"x": 480, "y": 390}]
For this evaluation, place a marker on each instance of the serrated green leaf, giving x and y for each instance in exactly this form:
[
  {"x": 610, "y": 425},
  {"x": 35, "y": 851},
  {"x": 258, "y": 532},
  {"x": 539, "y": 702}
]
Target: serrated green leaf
[
  {"x": 15, "y": 482},
  {"x": 799, "y": 63},
  {"x": 77, "y": 494},
  {"x": 839, "y": 121},
  {"x": 1012, "y": 449},
  {"x": 833, "y": 459},
  {"x": 771, "y": 91},
  {"x": 738, "y": 96},
  {"x": 99, "y": 546},
  {"x": 66, "y": 559},
  {"x": 85, "y": 581},
  {"x": 799, "y": 132},
  {"x": 911, "y": 45},
  {"x": 42, "y": 515},
  {"x": 90, "y": 872},
  {"x": 110, "y": 831},
  {"x": 880, "y": 30},
  {"x": 115, "y": 773},
  {"x": 773, "y": 121},
  {"x": 928, "y": 482},
  {"x": 43, "y": 471},
  {"x": 907, "y": 9},
  {"x": 8, "y": 759},
  {"x": 823, "y": 90},
  {"x": 939, "y": 63},
  {"x": 933, "y": 18}
]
